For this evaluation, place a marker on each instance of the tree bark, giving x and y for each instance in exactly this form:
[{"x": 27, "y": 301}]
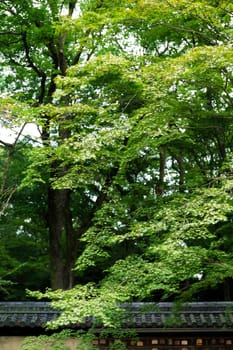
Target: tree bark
[
  {"x": 62, "y": 238},
  {"x": 57, "y": 200},
  {"x": 227, "y": 289},
  {"x": 159, "y": 188},
  {"x": 71, "y": 245}
]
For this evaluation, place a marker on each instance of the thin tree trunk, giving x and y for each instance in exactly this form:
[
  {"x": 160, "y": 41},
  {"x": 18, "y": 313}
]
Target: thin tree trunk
[
  {"x": 227, "y": 290},
  {"x": 159, "y": 188}
]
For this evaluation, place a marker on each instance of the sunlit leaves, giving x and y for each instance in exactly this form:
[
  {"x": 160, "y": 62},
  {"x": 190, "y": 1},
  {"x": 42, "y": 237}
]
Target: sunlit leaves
[
  {"x": 85, "y": 301},
  {"x": 142, "y": 142}
]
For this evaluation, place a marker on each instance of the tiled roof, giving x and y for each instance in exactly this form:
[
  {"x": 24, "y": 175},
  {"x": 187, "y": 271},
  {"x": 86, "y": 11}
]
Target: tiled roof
[
  {"x": 202, "y": 315},
  {"x": 191, "y": 316},
  {"x": 26, "y": 314}
]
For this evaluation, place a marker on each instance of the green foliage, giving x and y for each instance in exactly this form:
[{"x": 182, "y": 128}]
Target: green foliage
[
  {"x": 23, "y": 234},
  {"x": 84, "y": 301},
  {"x": 53, "y": 342},
  {"x": 134, "y": 103},
  {"x": 83, "y": 340},
  {"x": 43, "y": 342},
  {"x": 118, "y": 345}
]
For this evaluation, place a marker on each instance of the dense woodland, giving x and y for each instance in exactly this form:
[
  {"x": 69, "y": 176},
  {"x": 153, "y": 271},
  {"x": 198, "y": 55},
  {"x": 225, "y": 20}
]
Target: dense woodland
[{"x": 126, "y": 194}]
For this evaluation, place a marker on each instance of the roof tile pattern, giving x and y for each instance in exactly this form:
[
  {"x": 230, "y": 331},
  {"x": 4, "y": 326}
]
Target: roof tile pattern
[
  {"x": 26, "y": 314},
  {"x": 208, "y": 315},
  {"x": 218, "y": 315}
]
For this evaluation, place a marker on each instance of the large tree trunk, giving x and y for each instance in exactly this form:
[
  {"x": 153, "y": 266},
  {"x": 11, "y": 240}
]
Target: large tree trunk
[
  {"x": 63, "y": 240},
  {"x": 71, "y": 246},
  {"x": 57, "y": 200}
]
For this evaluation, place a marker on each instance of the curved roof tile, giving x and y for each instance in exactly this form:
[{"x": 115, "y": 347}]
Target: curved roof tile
[{"x": 217, "y": 315}]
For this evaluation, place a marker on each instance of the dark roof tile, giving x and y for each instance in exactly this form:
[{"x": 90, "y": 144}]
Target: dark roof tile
[
  {"x": 191, "y": 316},
  {"x": 26, "y": 314}
]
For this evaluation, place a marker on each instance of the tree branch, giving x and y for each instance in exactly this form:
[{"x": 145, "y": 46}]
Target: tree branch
[{"x": 31, "y": 64}]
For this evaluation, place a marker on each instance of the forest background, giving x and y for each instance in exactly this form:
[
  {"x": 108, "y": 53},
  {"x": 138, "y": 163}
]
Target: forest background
[{"x": 126, "y": 195}]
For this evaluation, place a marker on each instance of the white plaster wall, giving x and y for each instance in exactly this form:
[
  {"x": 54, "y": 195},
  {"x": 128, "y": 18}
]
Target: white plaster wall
[
  {"x": 10, "y": 343},
  {"x": 14, "y": 343}
]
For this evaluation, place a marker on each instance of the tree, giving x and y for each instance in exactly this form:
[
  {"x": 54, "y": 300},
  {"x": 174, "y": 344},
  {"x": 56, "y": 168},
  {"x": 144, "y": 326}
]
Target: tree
[
  {"x": 137, "y": 149},
  {"x": 23, "y": 232},
  {"x": 40, "y": 40}
]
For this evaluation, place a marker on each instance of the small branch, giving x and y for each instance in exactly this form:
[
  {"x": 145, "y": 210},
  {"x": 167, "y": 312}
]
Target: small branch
[
  {"x": 5, "y": 204},
  {"x": 10, "y": 33},
  {"x": 72, "y": 5},
  {"x": 19, "y": 134},
  {"x": 31, "y": 64},
  {"x": 6, "y": 144},
  {"x": 11, "y": 148},
  {"x": 185, "y": 30},
  {"x": 77, "y": 56},
  {"x": 28, "y": 57}
]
